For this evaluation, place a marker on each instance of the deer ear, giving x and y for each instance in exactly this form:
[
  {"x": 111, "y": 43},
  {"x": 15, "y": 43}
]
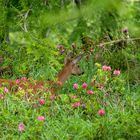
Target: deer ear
[
  {"x": 69, "y": 57},
  {"x": 78, "y": 58}
]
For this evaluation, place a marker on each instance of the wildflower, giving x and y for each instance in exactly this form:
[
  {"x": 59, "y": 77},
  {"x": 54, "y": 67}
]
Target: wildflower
[
  {"x": 76, "y": 104},
  {"x": 62, "y": 51},
  {"x": 61, "y": 48},
  {"x": 73, "y": 97},
  {"x": 117, "y": 72},
  {"x": 52, "y": 97},
  {"x": 21, "y": 127},
  {"x": 101, "y": 112},
  {"x": 125, "y": 30},
  {"x": 41, "y": 118},
  {"x": 41, "y": 101},
  {"x": 106, "y": 94},
  {"x": 84, "y": 85},
  {"x": 100, "y": 87},
  {"x": 23, "y": 78},
  {"x": 90, "y": 92},
  {"x": 17, "y": 81},
  {"x": 75, "y": 86},
  {"x": 20, "y": 88},
  {"x": 101, "y": 45},
  {"x": 6, "y": 90},
  {"x": 106, "y": 68}
]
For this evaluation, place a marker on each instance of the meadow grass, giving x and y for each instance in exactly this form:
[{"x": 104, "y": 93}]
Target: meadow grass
[{"x": 63, "y": 119}]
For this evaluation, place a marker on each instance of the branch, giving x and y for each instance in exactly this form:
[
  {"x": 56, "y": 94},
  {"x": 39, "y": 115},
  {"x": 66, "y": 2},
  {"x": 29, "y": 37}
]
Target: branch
[
  {"x": 118, "y": 41},
  {"x": 25, "y": 23}
]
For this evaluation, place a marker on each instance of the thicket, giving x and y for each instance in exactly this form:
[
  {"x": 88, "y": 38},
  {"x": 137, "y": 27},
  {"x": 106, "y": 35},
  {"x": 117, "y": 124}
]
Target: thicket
[
  {"x": 36, "y": 35},
  {"x": 32, "y": 30}
]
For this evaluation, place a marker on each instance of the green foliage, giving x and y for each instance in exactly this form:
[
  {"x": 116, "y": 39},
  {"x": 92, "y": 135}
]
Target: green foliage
[
  {"x": 35, "y": 28},
  {"x": 28, "y": 53},
  {"x": 64, "y": 121},
  {"x": 31, "y": 30}
]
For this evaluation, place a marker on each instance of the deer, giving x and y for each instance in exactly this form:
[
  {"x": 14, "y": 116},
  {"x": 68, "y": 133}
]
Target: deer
[{"x": 70, "y": 67}]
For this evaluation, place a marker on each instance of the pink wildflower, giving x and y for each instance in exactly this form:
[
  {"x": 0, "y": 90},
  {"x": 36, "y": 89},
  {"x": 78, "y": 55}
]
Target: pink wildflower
[
  {"x": 75, "y": 86},
  {"x": 90, "y": 92},
  {"x": 41, "y": 101},
  {"x": 41, "y": 118},
  {"x": 106, "y": 94},
  {"x": 6, "y": 90},
  {"x": 17, "y": 81},
  {"x": 101, "y": 87},
  {"x": 109, "y": 68},
  {"x": 117, "y": 72},
  {"x": 21, "y": 127},
  {"x": 61, "y": 48},
  {"x": 106, "y": 68},
  {"x": 125, "y": 30},
  {"x": 52, "y": 97},
  {"x": 74, "y": 97},
  {"x": 23, "y": 78},
  {"x": 101, "y": 112},
  {"x": 84, "y": 85},
  {"x": 76, "y": 104}
]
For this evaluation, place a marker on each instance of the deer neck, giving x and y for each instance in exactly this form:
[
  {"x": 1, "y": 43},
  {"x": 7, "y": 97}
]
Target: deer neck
[{"x": 64, "y": 74}]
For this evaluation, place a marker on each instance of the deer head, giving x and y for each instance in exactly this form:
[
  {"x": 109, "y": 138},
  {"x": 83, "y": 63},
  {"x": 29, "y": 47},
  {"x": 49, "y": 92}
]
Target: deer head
[{"x": 70, "y": 67}]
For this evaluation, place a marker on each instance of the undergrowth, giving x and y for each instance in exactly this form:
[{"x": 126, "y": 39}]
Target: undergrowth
[{"x": 102, "y": 108}]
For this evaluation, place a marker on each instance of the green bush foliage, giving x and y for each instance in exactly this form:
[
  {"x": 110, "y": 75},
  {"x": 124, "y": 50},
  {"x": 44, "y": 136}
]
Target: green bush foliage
[{"x": 35, "y": 37}]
